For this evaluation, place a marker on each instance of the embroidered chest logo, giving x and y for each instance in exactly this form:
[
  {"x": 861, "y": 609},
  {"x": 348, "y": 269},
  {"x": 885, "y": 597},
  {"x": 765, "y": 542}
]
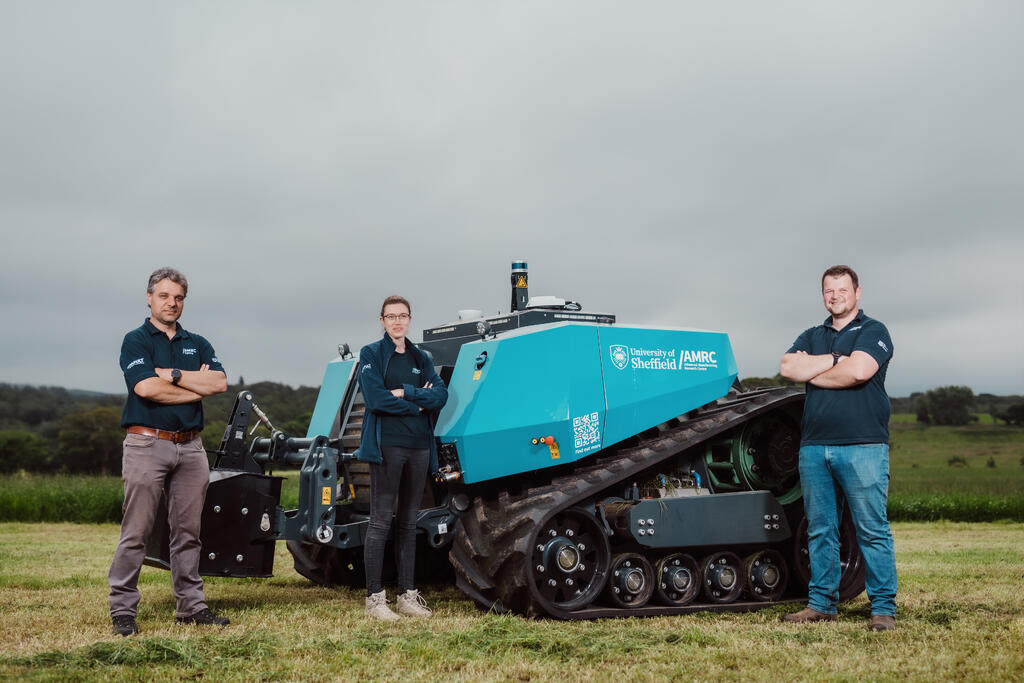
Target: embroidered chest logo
[
  {"x": 415, "y": 371},
  {"x": 188, "y": 352}
]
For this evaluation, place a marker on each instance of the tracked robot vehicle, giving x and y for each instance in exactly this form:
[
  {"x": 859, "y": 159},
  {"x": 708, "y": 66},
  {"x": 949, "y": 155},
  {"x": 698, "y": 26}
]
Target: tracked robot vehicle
[{"x": 587, "y": 469}]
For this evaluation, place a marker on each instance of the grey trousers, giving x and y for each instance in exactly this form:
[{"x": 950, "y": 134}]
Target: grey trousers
[{"x": 150, "y": 467}]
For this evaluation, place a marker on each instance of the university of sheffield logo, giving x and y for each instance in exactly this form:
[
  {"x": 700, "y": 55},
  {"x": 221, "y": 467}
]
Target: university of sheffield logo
[{"x": 620, "y": 355}]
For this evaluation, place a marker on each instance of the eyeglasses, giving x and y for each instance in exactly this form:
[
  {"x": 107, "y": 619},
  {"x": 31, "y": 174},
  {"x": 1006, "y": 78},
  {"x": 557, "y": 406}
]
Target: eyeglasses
[{"x": 392, "y": 317}]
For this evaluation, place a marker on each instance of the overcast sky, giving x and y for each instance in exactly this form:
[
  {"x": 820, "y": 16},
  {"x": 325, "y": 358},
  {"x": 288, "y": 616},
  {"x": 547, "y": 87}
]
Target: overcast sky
[{"x": 677, "y": 164}]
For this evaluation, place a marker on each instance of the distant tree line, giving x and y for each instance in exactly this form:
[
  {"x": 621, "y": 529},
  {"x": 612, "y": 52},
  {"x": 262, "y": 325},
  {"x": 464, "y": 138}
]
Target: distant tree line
[
  {"x": 51, "y": 429},
  {"x": 956, "y": 405},
  {"x": 951, "y": 405}
]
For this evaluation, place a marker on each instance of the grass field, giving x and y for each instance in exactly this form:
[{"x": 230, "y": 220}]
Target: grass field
[
  {"x": 961, "y": 617},
  {"x": 919, "y": 459}
]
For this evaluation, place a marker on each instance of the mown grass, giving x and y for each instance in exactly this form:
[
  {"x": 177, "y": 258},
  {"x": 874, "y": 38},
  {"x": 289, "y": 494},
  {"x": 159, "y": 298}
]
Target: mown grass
[{"x": 961, "y": 617}]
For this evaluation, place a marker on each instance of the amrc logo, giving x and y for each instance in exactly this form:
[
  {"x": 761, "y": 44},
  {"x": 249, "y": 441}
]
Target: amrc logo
[{"x": 623, "y": 356}]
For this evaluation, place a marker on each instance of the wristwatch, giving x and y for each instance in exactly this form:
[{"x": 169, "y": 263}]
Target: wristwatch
[{"x": 175, "y": 376}]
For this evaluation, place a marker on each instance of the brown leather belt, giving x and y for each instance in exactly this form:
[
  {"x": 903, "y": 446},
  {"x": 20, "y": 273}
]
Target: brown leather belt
[{"x": 176, "y": 437}]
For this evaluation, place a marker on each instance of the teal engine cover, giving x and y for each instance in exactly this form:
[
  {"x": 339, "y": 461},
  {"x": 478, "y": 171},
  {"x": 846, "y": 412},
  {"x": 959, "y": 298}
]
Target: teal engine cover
[{"x": 583, "y": 387}]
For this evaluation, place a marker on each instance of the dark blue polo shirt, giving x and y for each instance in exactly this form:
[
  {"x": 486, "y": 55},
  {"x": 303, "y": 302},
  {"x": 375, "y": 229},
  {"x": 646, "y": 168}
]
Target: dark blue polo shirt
[
  {"x": 858, "y": 414},
  {"x": 408, "y": 431},
  {"x": 146, "y": 348}
]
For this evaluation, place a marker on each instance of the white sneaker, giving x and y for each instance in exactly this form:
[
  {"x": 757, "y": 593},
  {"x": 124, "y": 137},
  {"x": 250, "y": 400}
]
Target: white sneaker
[
  {"x": 377, "y": 608},
  {"x": 411, "y": 604}
]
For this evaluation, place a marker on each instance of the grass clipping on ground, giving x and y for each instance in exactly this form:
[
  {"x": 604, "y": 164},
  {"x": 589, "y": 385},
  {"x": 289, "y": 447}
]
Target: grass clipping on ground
[{"x": 961, "y": 616}]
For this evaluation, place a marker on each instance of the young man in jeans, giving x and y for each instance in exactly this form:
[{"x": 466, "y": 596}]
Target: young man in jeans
[{"x": 844, "y": 448}]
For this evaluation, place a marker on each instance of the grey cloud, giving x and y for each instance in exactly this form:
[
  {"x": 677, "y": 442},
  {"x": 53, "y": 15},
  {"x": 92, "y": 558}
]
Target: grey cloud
[{"x": 673, "y": 164}]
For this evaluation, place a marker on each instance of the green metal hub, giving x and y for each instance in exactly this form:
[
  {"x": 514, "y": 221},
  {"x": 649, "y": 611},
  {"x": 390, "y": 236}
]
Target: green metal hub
[{"x": 763, "y": 454}]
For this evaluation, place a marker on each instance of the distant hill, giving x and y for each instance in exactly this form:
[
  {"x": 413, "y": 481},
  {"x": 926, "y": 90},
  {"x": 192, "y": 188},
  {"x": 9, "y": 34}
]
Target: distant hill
[
  {"x": 983, "y": 403},
  {"x": 40, "y": 409}
]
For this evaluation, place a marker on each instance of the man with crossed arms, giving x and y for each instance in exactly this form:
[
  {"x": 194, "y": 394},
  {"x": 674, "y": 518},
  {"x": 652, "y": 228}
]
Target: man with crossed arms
[
  {"x": 168, "y": 371},
  {"x": 844, "y": 447}
]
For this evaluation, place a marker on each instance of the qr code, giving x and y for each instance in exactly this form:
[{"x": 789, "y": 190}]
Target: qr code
[{"x": 585, "y": 430}]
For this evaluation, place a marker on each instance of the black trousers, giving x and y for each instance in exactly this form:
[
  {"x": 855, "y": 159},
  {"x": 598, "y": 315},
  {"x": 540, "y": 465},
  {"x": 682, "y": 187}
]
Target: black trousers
[{"x": 399, "y": 479}]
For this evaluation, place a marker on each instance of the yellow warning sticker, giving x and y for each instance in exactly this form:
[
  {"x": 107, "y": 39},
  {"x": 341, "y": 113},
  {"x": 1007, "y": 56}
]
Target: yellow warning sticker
[
  {"x": 325, "y": 495},
  {"x": 554, "y": 450},
  {"x": 521, "y": 282},
  {"x": 476, "y": 375}
]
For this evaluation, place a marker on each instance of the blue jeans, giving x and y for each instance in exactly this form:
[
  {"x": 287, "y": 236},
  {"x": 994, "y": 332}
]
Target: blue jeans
[{"x": 860, "y": 473}]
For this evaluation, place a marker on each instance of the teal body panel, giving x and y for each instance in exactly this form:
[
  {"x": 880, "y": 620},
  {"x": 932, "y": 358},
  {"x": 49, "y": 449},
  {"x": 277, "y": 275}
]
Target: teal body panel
[
  {"x": 534, "y": 383},
  {"x": 652, "y": 375},
  {"x": 588, "y": 386},
  {"x": 332, "y": 390}
]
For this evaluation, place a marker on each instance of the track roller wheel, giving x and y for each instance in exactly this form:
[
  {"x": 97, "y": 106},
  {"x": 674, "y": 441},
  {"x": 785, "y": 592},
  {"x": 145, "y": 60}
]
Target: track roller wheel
[
  {"x": 569, "y": 561},
  {"x": 765, "y": 575},
  {"x": 678, "y": 580},
  {"x": 630, "y": 581},
  {"x": 722, "y": 577}
]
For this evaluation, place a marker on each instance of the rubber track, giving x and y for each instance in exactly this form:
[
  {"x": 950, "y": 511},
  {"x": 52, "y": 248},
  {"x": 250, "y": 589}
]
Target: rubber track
[{"x": 495, "y": 536}]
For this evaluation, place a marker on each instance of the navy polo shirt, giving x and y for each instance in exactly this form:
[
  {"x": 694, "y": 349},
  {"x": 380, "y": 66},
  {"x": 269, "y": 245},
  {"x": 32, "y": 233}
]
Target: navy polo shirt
[
  {"x": 408, "y": 431},
  {"x": 858, "y": 414},
  {"x": 146, "y": 348}
]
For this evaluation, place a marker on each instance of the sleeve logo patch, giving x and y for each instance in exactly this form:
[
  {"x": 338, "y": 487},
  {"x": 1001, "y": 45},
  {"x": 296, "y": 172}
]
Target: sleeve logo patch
[
  {"x": 367, "y": 366},
  {"x": 137, "y": 361},
  {"x": 882, "y": 344}
]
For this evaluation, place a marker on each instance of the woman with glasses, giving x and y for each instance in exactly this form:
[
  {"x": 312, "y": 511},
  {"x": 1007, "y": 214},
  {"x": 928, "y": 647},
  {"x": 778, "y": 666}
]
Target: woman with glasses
[{"x": 403, "y": 393}]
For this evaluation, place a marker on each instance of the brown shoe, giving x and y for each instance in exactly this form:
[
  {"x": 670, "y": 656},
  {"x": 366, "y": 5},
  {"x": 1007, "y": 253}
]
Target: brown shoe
[
  {"x": 882, "y": 622},
  {"x": 808, "y": 615}
]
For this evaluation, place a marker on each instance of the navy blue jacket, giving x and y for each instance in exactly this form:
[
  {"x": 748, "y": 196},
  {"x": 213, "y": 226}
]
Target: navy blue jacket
[{"x": 373, "y": 366}]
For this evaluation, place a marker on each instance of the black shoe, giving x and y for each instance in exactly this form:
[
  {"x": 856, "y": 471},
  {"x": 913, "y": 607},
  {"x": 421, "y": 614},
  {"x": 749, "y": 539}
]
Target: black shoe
[
  {"x": 124, "y": 625},
  {"x": 204, "y": 617}
]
